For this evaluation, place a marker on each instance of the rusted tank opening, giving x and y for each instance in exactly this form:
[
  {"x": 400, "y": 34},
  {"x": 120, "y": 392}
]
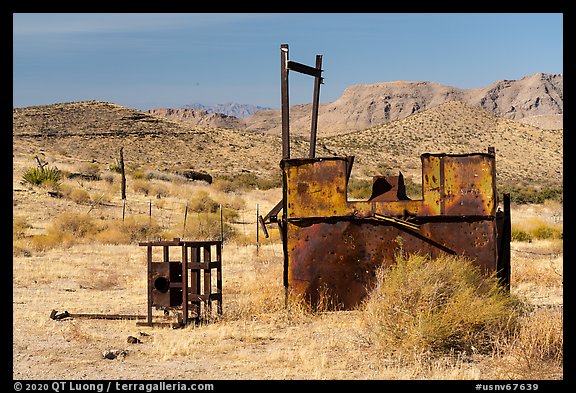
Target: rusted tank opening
[{"x": 161, "y": 284}]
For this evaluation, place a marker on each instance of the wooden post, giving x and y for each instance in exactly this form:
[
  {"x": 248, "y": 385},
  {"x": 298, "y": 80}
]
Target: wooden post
[
  {"x": 221, "y": 226},
  {"x": 185, "y": 215},
  {"x": 257, "y": 230},
  {"x": 123, "y": 173}
]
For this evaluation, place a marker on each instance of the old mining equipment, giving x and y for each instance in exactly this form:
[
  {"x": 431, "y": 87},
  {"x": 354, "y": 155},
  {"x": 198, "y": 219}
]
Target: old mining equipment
[
  {"x": 333, "y": 246},
  {"x": 183, "y": 281}
]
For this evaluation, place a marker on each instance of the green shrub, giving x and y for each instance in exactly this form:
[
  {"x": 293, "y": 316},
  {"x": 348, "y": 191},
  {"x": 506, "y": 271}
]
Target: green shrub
[
  {"x": 359, "y": 188},
  {"x": 522, "y": 193},
  {"x": 520, "y": 235},
  {"x": 50, "y": 176},
  {"x": 547, "y": 232}
]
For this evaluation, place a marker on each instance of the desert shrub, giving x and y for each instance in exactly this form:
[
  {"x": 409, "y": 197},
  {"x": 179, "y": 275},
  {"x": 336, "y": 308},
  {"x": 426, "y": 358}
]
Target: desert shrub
[
  {"x": 114, "y": 167},
  {"x": 535, "y": 350},
  {"x": 142, "y": 186},
  {"x": 48, "y": 176},
  {"x": 19, "y": 227},
  {"x": 246, "y": 181},
  {"x": 522, "y": 193},
  {"x": 89, "y": 170},
  {"x": 201, "y": 226},
  {"x": 138, "y": 174},
  {"x": 547, "y": 232},
  {"x": 203, "y": 202},
  {"x": 423, "y": 305},
  {"x": 79, "y": 225},
  {"x": 65, "y": 230},
  {"x": 359, "y": 188},
  {"x": 139, "y": 228},
  {"x": 80, "y": 196},
  {"x": 536, "y": 228},
  {"x": 520, "y": 235}
]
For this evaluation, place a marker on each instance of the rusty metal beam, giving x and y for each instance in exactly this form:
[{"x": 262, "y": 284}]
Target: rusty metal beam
[
  {"x": 315, "y": 104},
  {"x": 304, "y": 69},
  {"x": 65, "y": 314}
]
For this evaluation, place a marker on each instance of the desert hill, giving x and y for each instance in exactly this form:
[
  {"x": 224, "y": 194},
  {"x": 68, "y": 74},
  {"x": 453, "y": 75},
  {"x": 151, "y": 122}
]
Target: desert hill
[
  {"x": 200, "y": 117},
  {"x": 524, "y": 153},
  {"x": 94, "y": 131},
  {"x": 363, "y": 106}
]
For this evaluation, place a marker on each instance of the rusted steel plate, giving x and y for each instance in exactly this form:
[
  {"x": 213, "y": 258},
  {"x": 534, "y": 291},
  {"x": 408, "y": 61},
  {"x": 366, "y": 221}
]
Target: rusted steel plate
[
  {"x": 340, "y": 258},
  {"x": 333, "y": 247},
  {"x": 316, "y": 187}
]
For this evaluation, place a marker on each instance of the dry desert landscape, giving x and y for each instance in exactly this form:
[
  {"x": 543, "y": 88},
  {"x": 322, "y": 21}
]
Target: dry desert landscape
[{"x": 75, "y": 249}]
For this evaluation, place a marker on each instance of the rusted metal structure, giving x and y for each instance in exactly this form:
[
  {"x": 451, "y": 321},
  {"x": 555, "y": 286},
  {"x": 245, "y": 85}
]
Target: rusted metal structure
[
  {"x": 183, "y": 281},
  {"x": 333, "y": 246}
]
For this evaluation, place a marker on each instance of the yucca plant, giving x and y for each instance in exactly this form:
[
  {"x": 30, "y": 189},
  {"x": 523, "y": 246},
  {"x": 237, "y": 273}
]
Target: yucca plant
[{"x": 45, "y": 175}]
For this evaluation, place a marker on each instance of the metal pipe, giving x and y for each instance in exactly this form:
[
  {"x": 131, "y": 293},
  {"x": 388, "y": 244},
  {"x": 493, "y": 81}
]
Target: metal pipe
[
  {"x": 285, "y": 103},
  {"x": 315, "y": 104}
]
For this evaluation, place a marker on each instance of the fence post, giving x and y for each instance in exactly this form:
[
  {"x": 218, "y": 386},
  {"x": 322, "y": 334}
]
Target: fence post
[
  {"x": 185, "y": 216},
  {"x": 257, "y": 230},
  {"x": 221, "y": 226}
]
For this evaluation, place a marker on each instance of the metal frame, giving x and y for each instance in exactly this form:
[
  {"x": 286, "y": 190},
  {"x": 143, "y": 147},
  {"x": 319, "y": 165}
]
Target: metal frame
[
  {"x": 183, "y": 281},
  {"x": 332, "y": 246}
]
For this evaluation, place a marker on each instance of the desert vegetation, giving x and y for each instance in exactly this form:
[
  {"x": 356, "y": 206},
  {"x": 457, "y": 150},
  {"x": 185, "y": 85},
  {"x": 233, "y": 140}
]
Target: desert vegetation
[
  {"x": 425, "y": 318},
  {"x": 75, "y": 248}
]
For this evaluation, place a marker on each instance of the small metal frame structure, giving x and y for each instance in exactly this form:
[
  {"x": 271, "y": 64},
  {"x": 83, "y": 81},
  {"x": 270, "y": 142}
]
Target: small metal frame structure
[
  {"x": 333, "y": 246},
  {"x": 181, "y": 279}
]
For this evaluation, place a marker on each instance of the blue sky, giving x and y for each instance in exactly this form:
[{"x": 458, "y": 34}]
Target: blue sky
[{"x": 148, "y": 60}]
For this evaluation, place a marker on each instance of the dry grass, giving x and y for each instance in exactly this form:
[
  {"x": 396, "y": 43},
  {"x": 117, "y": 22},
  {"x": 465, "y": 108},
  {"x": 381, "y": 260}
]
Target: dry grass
[
  {"x": 100, "y": 269},
  {"x": 256, "y": 338},
  {"x": 83, "y": 258},
  {"x": 424, "y": 307}
]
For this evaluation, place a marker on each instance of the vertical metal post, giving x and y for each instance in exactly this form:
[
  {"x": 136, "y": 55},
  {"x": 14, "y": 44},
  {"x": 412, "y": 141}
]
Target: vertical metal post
[
  {"x": 184, "y": 283},
  {"x": 315, "y": 104},
  {"x": 150, "y": 284},
  {"x": 185, "y": 216},
  {"x": 285, "y": 102},
  {"x": 207, "y": 281},
  {"x": 219, "y": 276}
]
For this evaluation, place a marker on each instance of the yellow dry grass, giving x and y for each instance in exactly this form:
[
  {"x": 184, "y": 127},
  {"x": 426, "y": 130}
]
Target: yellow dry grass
[{"x": 257, "y": 337}]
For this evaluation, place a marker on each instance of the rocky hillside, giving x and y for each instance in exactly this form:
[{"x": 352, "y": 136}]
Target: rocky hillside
[
  {"x": 94, "y": 131},
  {"x": 524, "y": 153},
  {"x": 230, "y": 108},
  {"x": 199, "y": 117},
  {"x": 537, "y": 96}
]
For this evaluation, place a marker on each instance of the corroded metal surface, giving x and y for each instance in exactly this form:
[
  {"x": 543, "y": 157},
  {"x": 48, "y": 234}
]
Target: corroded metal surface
[
  {"x": 181, "y": 280},
  {"x": 334, "y": 246}
]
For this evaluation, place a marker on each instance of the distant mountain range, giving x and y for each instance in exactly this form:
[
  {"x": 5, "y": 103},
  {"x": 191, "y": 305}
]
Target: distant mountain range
[
  {"x": 537, "y": 99},
  {"x": 230, "y": 108}
]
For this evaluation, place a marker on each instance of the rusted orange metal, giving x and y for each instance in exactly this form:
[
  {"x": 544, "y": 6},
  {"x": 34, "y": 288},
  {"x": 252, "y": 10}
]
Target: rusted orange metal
[{"x": 334, "y": 246}]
